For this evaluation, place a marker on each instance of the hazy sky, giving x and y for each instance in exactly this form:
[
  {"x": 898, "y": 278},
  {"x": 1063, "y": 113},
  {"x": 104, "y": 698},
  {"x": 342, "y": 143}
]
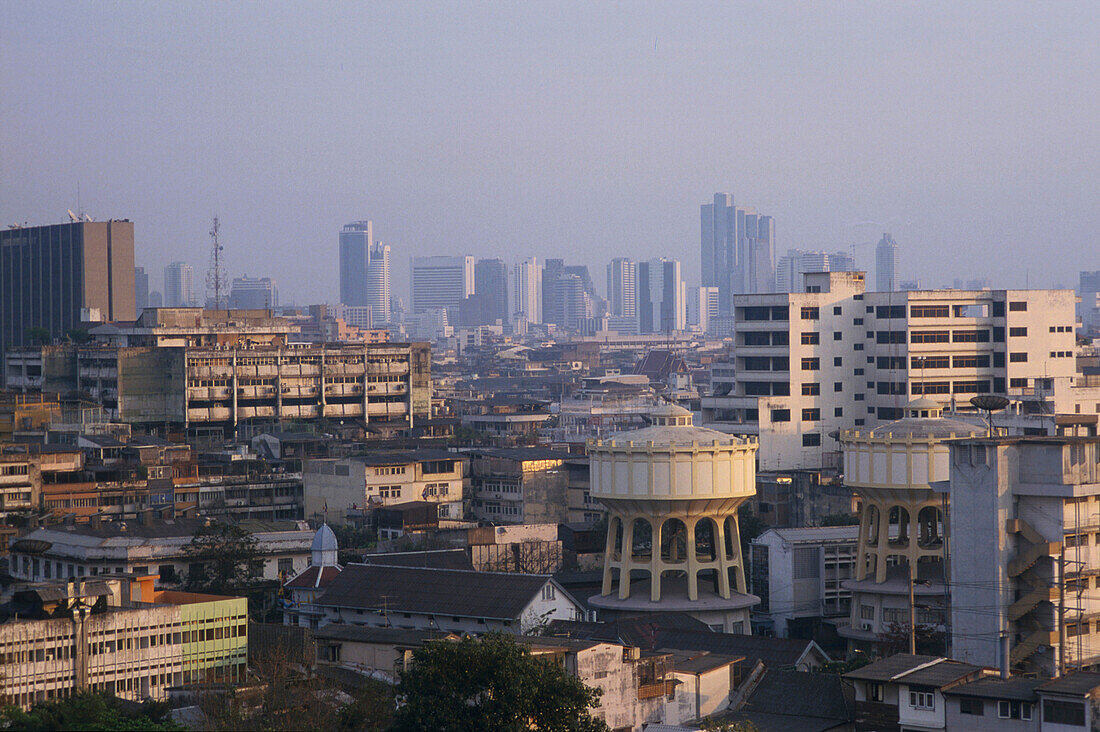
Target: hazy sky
[{"x": 581, "y": 130}]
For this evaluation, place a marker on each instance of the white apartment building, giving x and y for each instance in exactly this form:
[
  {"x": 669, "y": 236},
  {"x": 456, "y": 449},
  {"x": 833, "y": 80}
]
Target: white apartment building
[
  {"x": 622, "y": 287},
  {"x": 1024, "y": 552},
  {"x": 833, "y": 357},
  {"x": 798, "y": 573},
  {"x": 334, "y": 486},
  {"x": 527, "y": 281}
]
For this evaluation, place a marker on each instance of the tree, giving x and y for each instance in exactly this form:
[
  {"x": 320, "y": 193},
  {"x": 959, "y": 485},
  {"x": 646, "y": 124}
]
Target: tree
[
  {"x": 491, "y": 683},
  {"x": 895, "y": 639},
  {"x": 750, "y": 527},
  {"x": 79, "y": 336},
  {"x": 223, "y": 558},
  {"x": 88, "y": 711},
  {"x": 37, "y": 336}
]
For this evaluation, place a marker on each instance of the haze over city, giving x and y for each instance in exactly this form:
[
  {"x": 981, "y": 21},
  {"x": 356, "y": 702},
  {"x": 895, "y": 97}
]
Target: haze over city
[{"x": 559, "y": 129}]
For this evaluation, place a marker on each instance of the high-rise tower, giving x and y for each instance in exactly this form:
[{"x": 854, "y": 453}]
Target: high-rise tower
[
  {"x": 378, "y": 283},
  {"x": 491, "y": 282},
  {"x": 621, "y": 287},
  {"x": 737, "y": 250},
  {"x": 528, "y": 291},
  {"x": 179, "y": 285},
  {"x": 886, "y": 265},
  {"x": 355, "y": 241}
]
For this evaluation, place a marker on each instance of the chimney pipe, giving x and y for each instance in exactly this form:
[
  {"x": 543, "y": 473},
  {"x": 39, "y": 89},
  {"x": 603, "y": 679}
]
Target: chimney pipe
[{"x": 1004, "y": 655}]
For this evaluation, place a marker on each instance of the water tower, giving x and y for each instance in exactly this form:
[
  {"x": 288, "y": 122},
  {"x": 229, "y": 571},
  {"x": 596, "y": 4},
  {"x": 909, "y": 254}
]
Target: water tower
[{"x": 672, "y": 491}]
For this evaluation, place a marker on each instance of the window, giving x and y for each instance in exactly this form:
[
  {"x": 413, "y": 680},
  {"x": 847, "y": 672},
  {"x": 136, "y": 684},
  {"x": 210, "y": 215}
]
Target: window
[
  {"x": 809, "y": 313},
  {"x": 837, "y": 310},
  {"x": 811, "y": 389},
  {"x": 837, "y": 335},
  {"x": 867, "y": 612},
  {"x": 920, "y": 699},
  {"x": 859, "y": 372},
  {"x": 970, "y": 336},
  {"x": 811, "y": 364},
  {"x": 811, "y": 339},
  {"x": 890, "y": 311},
  {"x": 875, "y": 692},
  {"x": 781, "y": 415},
  {"x": 972, "y": 706},
  {"x": 860, "y": 397},
  {"x": 811, "y": 415},
  {"x": 1062, "y": 712},
  {"x": 811, "y": 440},
  {"x": 286, "y": 566},
  {"x": 971, "y": 387},
  {"x": 857, "y": 321},
  {"x": 1017, "y": 332},
  {"x": 930, "y": 336},
  {"x": 930, "y": 362},
  {"x": 838, "y": 412},
  {"x": 1018, "y": 357},
  {"x": 890, "y": 336},
  {"x": 1019, "y": 306},
  {"x": 1014, "y": 709},
  {"x": 858, "y": 346},
  {"x": 970, "y": 362},
  {"x": 930, "y": 311},
  {"x": 838, "y": 361},
  {"x": 838, "y": 386},
  {"x": 548, "y": 591}
]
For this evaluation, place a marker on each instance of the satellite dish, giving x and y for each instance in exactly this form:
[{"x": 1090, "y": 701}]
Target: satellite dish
[{"x": 989, "y": 403}]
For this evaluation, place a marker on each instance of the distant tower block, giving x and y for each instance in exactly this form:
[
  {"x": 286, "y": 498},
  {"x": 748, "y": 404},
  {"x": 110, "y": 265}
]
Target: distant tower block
[{"x": 672, "y": 491}]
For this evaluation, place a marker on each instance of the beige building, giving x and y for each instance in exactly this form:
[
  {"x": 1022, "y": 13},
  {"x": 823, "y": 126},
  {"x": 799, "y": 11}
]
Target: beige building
[
  {"x": 832, "y": 357},
  {"x": 119, "y": 636},
  {"x": 386, "y": 478}
]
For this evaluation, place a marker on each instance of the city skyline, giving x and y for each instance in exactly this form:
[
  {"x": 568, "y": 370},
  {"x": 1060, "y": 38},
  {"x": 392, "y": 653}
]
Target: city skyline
[{"x": 944, "y": 143}]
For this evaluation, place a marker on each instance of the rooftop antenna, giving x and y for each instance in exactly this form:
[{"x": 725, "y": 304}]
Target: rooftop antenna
[{"x": 215, "y": 275}]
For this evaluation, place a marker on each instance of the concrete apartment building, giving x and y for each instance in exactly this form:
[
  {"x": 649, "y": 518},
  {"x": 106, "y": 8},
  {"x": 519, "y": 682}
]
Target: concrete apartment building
[
  {"x": 798, "y": 574},
  {"x": 1025, "y": 521},
  {"x": 50, "y": 275},
  {"x": 386, "y": 478},
  {"x": 805, "y": 365},
  {"x": 210, "y": 369},
  {"x": 521, "y": 485},
  {"x": 120, "y": 636}
]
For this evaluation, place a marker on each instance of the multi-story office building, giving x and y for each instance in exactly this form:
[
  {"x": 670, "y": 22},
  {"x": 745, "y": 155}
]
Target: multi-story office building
[
  {"x": 661, "y": 302},
  {"x": 738, "y": 250},
  {"x": 49, "y": 274},
  {"x": 441, "y": 282},
  {"x": 527, "y": 281},
  {"x": 378, "y": 284},
  {"x": 179, "y": 285},
  {"x": 568, "y": 293},
  {"x": 622, "y": 287},
  {"x": 886, "y": 265},
  {"x": 1088, "y": 310},
  {"x": 797, "y": 262},
  {"x": 253, "y": 293},
  {"x": 702, "y": 307},
  {"x": 120, "y": 636},
  {"x": 356, "y": 239},
  {"x": 141, "y": 289},
  {"x": 491, "y": 282},
  {"x": 1024, "y": 555},
  {"x": 835, "y": 357}
]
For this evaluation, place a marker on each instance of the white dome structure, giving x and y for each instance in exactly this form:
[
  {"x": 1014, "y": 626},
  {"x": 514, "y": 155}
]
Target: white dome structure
[
  {"x": 672, "y": 491},
  {"x": 325, "y": 551}
]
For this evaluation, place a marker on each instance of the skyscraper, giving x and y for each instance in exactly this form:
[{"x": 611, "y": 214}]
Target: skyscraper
[
  {"x": 253, "y": 293},
  {"x": 491, "y": 281},
  {"x": 441, "y": 282},
  {"x": 661, "y": 301},
  {"x": 703, "y": 307},
  {"x": 355, "y": 242},
  {"x": 141, "y": 290},
  {"x": 528, "y": 290},
  {"x": 797, "y": 262},
  {"x": 378, "y": 283},
  {"x": 886, "y": 264},
  {"x": 179, "y": 290},
  {"x": 48, "y": 274},
  {"x": 737, "y": 250},
  {"x": 622, "y": 287}
]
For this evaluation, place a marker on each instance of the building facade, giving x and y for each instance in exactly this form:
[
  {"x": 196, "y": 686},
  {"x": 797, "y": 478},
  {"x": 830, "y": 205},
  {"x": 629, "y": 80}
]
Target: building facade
[
  {"x": 662, "y": 306},
  {"x": 50, "y": 275},
  {"x": 179, "y": 285},
  {"x": 886, "y": 265},
  {"x": 622, "y": 287},
  {"x": 441, "y": 282},
  {"x": 737, "y": 250},
  {"x": 253, "y": 293},
  {"x": 527, "y": 281},
  {"x": 356, "y": 239}
]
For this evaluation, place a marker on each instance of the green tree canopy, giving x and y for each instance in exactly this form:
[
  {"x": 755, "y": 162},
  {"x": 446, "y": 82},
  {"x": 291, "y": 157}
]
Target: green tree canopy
[
  {"x": 491, "y": 683},
  {"x": 93, "y": 711},
  {"x": 224, "y": 558}
]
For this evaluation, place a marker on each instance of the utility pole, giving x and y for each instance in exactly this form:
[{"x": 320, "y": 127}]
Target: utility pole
[{"x": 912, "y": 615}]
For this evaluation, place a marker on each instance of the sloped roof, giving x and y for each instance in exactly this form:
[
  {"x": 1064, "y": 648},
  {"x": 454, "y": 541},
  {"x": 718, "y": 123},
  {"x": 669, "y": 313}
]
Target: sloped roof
[
  {"x": 904, "y": 668},
  {"x": 433, "y": 558},
  {"x": 1017, "y": 687},
  {"x": 1078, "y": 683},
  {"x": 459, "y": 593},
  {"x": 313, "y": 577},
  {"x": 802, "y": 694}
]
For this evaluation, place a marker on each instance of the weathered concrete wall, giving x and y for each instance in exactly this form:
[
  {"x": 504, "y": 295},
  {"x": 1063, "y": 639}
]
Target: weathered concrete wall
[{"x": 151, "y": 384}]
